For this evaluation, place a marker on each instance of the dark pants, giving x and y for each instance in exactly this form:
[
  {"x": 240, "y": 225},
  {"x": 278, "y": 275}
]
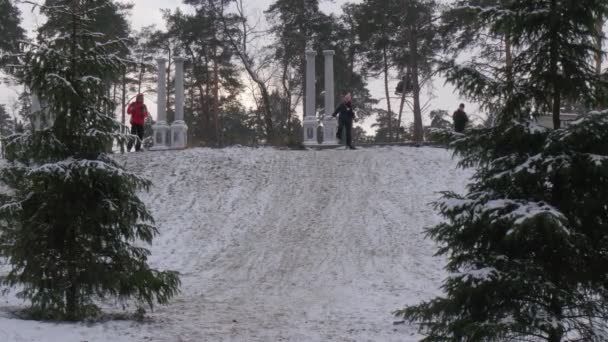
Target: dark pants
[
  {"x": 345, "y": 124},
  {"x": 139, "y": 131}
]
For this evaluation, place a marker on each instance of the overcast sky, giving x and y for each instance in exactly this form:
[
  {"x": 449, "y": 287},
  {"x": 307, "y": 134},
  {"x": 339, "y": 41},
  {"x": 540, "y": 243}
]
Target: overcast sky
[{"x": 147, "y": 12}]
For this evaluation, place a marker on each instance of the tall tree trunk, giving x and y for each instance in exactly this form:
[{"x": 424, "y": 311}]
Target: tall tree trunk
[
  {"x": 554, "y": 70},
  {"x": 141, "y": 71},
  {"x": 71, "y": 292},
  {"x": 556, "y": 332},
  {"x": 207, "y": 100},
  {"x": 387, "y": 93},
  {"x": 193, "y": 119},
  {"x": 123, "y": 105},
  {"x": 598, "y": 42},
  {"x": 509, "y": 66},
  {"x": 509, "y": 62},
  {"x": 401, "y": 105},
  {"x": 418, "y": 131},
  {"x": 216, "y": 98},
  {"x": 242, "y": 54},
  {"x": 303, "y": 72},
  {"x": 599, "y": 37},
  {"x": 203, "y": 104},
  {"x": 287, "y": 92},
  {"x": 114, "y": 95}
]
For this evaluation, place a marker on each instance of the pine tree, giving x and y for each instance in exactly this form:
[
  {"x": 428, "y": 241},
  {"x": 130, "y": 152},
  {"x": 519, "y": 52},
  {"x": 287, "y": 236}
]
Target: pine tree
[
  {"x": 383, "y": 126},
  {"x": 377, "y": 28},
  {"x": 419, "y": 28},
  {"x": 68, "y": 227},
  {"x": 402, "y": 35},
  {"x": 526, "y": 246},
  {"x": 293, "y": 23},
  {"x": 554, "y": 43},
  {"x": 211, "y": 69},
  {"x": 10, "y": 31},
  {"x": 7, "y": 125}
]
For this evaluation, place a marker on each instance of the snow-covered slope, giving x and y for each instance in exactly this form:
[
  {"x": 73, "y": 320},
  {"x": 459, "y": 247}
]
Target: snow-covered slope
[{"x": 282, "y": 245}]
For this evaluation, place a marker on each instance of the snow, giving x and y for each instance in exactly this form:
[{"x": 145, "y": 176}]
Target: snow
[
  {"x": 480, "y": 274},
  {"x": 598, "y": 160},
  {"x": 64, "y": 81},
  {"x": 280, "y": 246},
  {"x": 517, "y": 212}
]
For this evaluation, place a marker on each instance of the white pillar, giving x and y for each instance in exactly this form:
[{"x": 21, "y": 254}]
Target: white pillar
[
  {"x": 310, "y": 118},
  {"x": 329, "y": 123},
  {"x": 179, "y": 129},
  {"x": 161, "y": 129},
  {"x": 35, "y": 113}
]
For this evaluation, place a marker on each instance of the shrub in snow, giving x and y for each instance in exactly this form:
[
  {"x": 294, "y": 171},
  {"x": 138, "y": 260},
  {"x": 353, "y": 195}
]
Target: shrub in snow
[
  {"x": 528, "y": 245},
  {"x": 69, "y": 223}
]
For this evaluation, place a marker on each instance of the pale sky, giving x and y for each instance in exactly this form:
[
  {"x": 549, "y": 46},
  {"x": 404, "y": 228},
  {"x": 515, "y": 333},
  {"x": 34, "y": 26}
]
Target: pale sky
[{"x": 147, "y": 12}]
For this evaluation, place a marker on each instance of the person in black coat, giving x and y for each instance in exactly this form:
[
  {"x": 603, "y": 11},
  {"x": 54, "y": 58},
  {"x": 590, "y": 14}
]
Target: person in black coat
[
  {"x": 460, "y": 119},
  {"x": 345, "y": 120}
]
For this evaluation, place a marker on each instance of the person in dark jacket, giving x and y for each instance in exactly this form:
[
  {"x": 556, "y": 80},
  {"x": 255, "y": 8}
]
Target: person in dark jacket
[
  {"x": 139, "y": 113},
  {"x": 460, "y": 119},
  {"x": 345, "y": 120}
]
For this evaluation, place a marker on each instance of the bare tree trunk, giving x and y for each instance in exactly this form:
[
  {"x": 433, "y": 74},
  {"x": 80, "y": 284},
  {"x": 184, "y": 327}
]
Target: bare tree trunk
[
  {"x": 207, "y": 100},
  {"x": 216, "y": 98},
  {"x": 509, "y": 65},
  {"x": 141, "y": 70},
  {"x": 509, "y": 60},
  {"x": 123, "y": 105},
  {"x": 303, "y": 72},
  {"x": 241, "y": 53},
  {"x": 388, "y": 98},
  {"x": 556, "y": 108},
  {"x": 287, "y": 91},
  {"x": 418, "y": 130},
  {"x": 193, "y": 119},
  {"x": 598, "y": 41},
  {"x": 401, "y": 105},
  {"x": 114, "y": 96}
]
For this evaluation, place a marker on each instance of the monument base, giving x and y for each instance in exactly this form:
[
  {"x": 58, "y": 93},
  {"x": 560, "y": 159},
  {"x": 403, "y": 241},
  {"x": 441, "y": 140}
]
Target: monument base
[
  {"x": 330, "y": 125},
  {"x": 179, "y": 135},
  {"x": 310, "y": 131},
  {"x": 160, "y": 143}
]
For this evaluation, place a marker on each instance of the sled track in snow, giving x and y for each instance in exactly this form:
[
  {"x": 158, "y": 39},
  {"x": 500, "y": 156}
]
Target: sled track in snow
[{"x": 287, "y": 245}]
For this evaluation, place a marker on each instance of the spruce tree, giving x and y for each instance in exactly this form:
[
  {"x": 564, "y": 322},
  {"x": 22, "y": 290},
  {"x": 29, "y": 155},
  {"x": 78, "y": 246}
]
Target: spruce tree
[
  {"x": 527, "y": 244},
  {"x": 11, "y": 33},
  {"x": 7, "y": 124},
  {"x": 549, "y": 59},
  {"x": 69, "y": 227}
]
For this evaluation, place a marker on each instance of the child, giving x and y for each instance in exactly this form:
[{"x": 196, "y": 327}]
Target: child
[{"x": 139, "y": 113}]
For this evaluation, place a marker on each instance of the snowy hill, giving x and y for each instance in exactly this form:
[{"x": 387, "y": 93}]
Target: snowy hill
[{"x": 281, "y": 245}]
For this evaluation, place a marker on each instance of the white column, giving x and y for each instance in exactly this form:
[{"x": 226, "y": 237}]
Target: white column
[
  {"x": 310, "y": 118},
  {"x": 161, "y": 129},
  {"x": 40, "y": 117},
  {"x": 329, "y": 123},
  {"x": 35, "y": 113},
  {"x": 179, "y": 129}
]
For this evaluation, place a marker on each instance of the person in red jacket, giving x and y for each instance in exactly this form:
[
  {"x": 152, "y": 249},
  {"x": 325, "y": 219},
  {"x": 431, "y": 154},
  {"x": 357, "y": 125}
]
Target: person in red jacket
[{"x": 139, "y": 113}]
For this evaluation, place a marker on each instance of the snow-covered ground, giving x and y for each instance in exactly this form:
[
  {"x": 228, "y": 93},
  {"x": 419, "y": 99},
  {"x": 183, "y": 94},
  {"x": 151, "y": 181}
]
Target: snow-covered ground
[{"x": 281, "y": 245}]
